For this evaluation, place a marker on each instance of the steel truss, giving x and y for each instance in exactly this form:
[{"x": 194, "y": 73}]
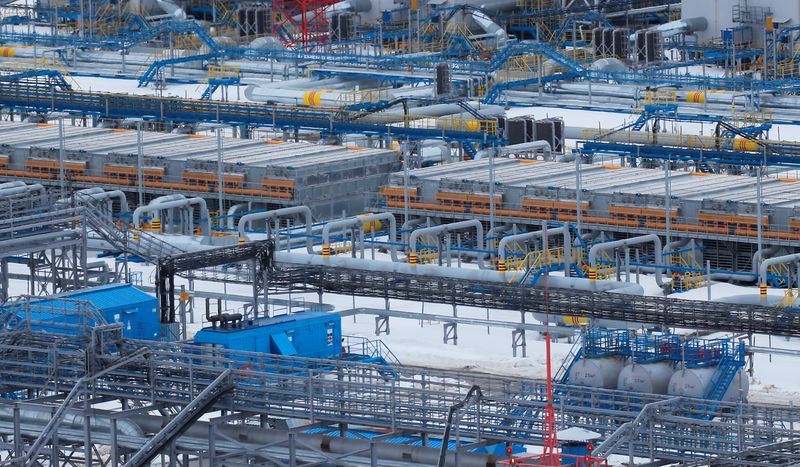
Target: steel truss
[
  {"x": 50, "y": 241},
  {"x": 245, "y": 115},
  {"x": 662, "y": 311},
  {"x": 174, "y": 375}
]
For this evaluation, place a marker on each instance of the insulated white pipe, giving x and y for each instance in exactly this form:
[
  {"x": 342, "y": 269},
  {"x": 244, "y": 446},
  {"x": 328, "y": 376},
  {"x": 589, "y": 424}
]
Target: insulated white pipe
[
  {"x": 352, "y": 221},
  {"x": 158, "y": 205},
  {"x": 491, "y": 28},
  {"x": 527, "y": 236},
  {"x": 593, "y": 252},
  {"x": 247, "y": 219},
  {"x": 15, "y": 188},
  {"x": 466, "y": 274},
  {"x": 232, "y": 212},
  {"x": 521, "y": 148},
  {"x": 769, "y": 262},
  {"x": 444, "y": 228},
  {"x": 106, "y": 196}
]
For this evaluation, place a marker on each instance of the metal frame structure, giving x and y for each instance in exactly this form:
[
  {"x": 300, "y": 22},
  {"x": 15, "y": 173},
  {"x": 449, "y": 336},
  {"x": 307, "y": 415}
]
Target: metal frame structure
[
  {"x": 350, "y": 393},
  {"x": 51, "y": 242}
]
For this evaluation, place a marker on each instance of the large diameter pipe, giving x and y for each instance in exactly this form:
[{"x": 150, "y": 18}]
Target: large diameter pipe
[
  {"x": 763, "y": 268},
  {"x": 445, "y": 228},
  {"x": 521, "y": 148},
  {"x": 681, "y": 26},
  {"x": 30, "y": 414},
  {"x": 766, "y": 251},
  {"x": 361, "y": 220},
  {"x": 528, "y": 236},
  {"x": 136, "y": 426},
  {"x": 232, "y": 213},
  {"x": 39, "y": 238},
  {"x": 491, "y": 28},
  {"x": 652, "y": 238},
  {"x": 105, "y": 196},
  {"x": 15, "y": 188},
  {"x": 157, "y": 205},
  {"x": 665, "y": 139},
  {"x": 268, "y": 216},
  {"x": 465, "y": 274},
  {"x": 259, "y": 437}
]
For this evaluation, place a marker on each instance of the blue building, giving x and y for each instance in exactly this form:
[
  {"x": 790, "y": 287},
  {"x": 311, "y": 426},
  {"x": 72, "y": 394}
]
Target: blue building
[
  {"x": 311, "y": 334},
  {"x": 119, "y": 303}
]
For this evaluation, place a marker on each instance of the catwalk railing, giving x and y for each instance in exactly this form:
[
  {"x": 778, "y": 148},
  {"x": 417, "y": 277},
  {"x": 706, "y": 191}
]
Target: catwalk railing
[
  {"x": 416, "y": 400},
  {"x": 693, "y": 314},
  {"x": 334, "y": 121}
]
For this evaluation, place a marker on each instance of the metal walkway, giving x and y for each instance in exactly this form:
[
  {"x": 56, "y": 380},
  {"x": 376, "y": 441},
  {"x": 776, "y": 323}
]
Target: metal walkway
[
  {"x": 352, "y": 393},
  {"x": 329, "y": 121},
  {"x": 726, "y": 317}
]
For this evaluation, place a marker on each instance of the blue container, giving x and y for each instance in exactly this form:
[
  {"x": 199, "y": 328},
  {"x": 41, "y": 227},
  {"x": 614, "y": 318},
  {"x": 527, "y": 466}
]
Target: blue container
[{"x": 311, "y": 334}]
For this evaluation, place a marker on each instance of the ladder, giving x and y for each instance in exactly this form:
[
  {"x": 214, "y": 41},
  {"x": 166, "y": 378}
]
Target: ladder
[{"x": 573, "y": 356}]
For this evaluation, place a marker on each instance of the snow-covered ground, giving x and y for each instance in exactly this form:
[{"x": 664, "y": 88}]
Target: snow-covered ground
[{"x": 489, "y": 350}]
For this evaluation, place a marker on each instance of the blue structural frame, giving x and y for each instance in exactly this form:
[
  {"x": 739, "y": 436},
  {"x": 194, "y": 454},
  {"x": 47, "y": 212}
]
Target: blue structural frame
[
  {"x": 237, "y": 114},
  {"x": 717, "y": 156},
  {"x": 726, "y": 356}
]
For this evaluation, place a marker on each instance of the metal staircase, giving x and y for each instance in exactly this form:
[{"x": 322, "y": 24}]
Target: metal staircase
[
  {"x": 728, "y": 367},
  {"x": 51, "y": 78},
  {"x": 469, "y": 150},
  {"x": 142, "y": 244},
  {"x": 183, "y": 420},
  {"x": 575, "y": 353}
]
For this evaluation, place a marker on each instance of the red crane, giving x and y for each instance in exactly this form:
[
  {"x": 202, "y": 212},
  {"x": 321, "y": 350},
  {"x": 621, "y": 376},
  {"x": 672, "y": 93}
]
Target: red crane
[
  {"x": 300, "y": 23},
  {"x": 550, "y": 455}
]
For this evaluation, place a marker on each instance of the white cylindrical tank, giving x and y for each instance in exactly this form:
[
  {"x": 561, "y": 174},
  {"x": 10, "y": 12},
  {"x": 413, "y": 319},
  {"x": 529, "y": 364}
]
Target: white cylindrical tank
[
  {"x": 650, "y": 378},
  {"x": 596, "y": 372},
  {"x": 694, "y": 382}
]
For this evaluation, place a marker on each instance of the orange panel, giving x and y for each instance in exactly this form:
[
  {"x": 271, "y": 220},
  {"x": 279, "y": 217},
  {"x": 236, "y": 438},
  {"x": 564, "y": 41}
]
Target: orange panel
[
  {"x": 212, "y": 177},
  {"x": 782, "y": 235},
  {"x": 176, "y": 186},
  {"x": 108, "y": 180},
  {"x": 274, "y": 182},
  {"x": 392, "y": 191}
]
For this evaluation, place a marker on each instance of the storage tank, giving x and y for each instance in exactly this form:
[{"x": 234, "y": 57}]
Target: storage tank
[
  {"x": 596, "y": 372},
  {"x": 693, "y": 382},
  {"x": 650, "y": 378}
]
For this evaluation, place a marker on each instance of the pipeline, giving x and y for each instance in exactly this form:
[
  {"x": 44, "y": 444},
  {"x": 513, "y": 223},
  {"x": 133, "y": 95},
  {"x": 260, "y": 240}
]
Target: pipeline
[
  {"x": 170, "y": 202},
  {"x": 521, "y": 148},
  {"x": 444, "y": 228},
  {"x": 247, "y": 219},
  {"x": 72, "y": 234},
  {"x": 769, "y": 262},
  {"x": 593, "y": 252},
  {"x": 681, "y": 26},
  {"x": 438, "y": 152},
  {"x": 491, "y": 28},
  {"x": 664, "y": 139},
  {"x": 106, "y": 197},
  {"x": 232, "y": 212},
  {"x": 362, "y": 220},
  {"x": 18, "y": 187},
  {"x": 465, "y": 274},
  {"x": 36, "y": 415},
  {"x": 527, "y": 236},
  {"x": 763, "y": 252},
  {"x": 136, "y": 426}
]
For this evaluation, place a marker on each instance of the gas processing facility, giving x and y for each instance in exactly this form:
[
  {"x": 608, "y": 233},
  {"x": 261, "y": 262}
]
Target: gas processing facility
[{"x": 212, "y": 212}]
